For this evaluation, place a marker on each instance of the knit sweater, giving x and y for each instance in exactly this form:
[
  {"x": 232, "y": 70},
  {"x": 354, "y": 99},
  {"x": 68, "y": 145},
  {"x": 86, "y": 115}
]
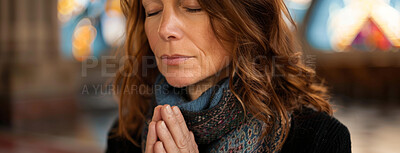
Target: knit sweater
[{"x": 310, "y": 132}]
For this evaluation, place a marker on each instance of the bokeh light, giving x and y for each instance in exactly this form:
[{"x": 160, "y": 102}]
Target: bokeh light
[
  {"x": 82, "y": 39},
  {"x": 69, "y": 8},
  {"x": 106, "y": 30}
]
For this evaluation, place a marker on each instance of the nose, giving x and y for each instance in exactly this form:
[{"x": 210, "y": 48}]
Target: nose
[{"x": 169, "y": 28}]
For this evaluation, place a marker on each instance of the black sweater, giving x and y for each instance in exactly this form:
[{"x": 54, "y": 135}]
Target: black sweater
[{"x": 310, "y": 132}]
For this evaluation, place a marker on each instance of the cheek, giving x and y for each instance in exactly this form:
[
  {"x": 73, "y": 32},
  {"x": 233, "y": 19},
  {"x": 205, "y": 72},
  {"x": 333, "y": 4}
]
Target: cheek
[
  {"x": 211, "y": 52},
  {"x": 216, "y": 60},
  {"x": 151, "y": 33},
  {"x": 216, "y": 56}
]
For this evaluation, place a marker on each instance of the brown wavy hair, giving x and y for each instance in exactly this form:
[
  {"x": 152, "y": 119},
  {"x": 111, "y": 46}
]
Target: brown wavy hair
[{"x": 274, "y": 80}]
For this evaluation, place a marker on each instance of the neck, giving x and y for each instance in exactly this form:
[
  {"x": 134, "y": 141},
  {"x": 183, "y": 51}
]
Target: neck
[{"x": 198, "y": 88}]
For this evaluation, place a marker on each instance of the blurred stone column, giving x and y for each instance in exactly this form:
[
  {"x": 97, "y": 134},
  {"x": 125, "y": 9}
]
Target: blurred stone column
[
  {"x": 39, "y": 83},
  {"x": 6, "y": 57}
]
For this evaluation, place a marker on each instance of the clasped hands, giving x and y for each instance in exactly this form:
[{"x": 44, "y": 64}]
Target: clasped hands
[{"x": 168, "y": 132}]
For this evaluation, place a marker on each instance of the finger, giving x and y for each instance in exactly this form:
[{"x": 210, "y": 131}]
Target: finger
[
  {"x": 157, "y": 113},
  {"x": 181, "y": 139},
  {"x": 159, "y": 147},
  {"x": 165, "y": 136},
  {"x": 193, "y": 140},
  {"x": 192, "y": 137},
  {"x": 151, "y": 137},
  {"x": 181, "y": 120}
]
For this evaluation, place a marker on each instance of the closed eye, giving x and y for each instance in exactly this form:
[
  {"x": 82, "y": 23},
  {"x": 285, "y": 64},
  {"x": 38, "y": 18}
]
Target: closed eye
[
  {"x": 187, "y": 9},
  {"x": 193, "y": 10},
  {"x": 151, "y": 14}
]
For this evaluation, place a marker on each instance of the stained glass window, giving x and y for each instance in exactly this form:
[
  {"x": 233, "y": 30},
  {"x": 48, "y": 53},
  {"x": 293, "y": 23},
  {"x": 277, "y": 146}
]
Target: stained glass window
[{"x": 364, "y": 25}]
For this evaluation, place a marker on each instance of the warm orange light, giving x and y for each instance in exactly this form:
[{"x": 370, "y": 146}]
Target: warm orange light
[
  {"x": 68, "y": 8},
  {"x": 113, "y": 6},
  {"x": 65, "y": 6},
  {"x": 83, "y": 38}
]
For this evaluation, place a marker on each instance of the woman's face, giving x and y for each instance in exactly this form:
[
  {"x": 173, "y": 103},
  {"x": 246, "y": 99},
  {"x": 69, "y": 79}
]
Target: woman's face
[{"x": 181, "y": 37}]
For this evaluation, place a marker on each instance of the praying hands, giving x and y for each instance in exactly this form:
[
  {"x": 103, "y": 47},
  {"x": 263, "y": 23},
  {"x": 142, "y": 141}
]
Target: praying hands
[{"x": 168, "y": 132}]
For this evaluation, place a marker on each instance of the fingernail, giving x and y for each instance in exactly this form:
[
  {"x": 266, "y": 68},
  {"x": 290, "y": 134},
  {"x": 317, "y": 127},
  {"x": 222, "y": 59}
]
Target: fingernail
[
  {"x": 176, "y": 110},
  {"x": 169, "y": 110},
  {"x": 163, "y": 125},
  {"x": 151, "y": 125}
]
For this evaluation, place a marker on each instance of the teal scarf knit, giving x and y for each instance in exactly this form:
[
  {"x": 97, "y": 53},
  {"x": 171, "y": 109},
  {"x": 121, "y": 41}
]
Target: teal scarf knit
[{"x": 167, "y": 94}]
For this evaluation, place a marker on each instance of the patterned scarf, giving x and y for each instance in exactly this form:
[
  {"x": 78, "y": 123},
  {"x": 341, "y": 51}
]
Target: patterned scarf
[{"x": 216, "y": 119}]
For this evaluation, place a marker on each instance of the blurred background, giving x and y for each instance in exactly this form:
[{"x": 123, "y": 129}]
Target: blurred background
[{"x": 55, "y": 62}]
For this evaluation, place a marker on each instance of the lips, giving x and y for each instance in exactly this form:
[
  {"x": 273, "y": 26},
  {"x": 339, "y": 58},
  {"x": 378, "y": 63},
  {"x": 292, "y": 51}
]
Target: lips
[{"x": 174, "y": 59}]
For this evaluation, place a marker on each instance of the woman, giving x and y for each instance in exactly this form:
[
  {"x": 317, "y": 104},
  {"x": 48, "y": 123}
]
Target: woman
[{"x": 218, "y": 76}]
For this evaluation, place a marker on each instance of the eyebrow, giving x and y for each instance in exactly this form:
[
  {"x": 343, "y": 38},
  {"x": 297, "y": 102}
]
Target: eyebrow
[{"x": 146, "y": 2}]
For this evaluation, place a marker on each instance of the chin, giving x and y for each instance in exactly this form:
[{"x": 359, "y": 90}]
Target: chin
[
  {"x": 180, "y": 80},
  {"x": 178, "y": 83}
]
